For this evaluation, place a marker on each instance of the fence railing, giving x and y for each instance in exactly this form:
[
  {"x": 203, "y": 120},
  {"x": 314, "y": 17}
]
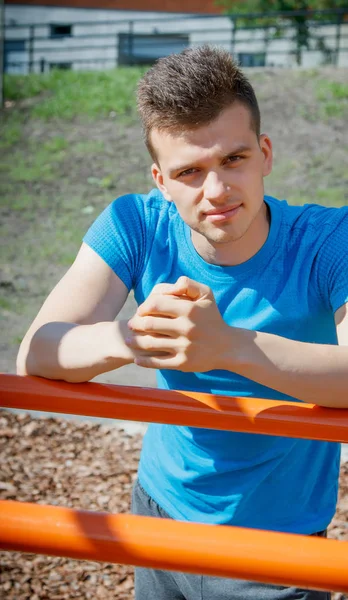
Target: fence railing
[
  {"x": 272, "y": 39},
  {"x": 195, "y": 409},
  {"x": 225, "y": 551}
]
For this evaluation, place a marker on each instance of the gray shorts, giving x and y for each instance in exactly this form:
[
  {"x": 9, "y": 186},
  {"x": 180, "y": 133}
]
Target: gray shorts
[{"x": 151, "y": 584}]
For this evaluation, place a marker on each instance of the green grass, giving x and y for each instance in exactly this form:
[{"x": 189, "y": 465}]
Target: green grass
[
  {"x": 45, "y": 238},
  {"x": 36, "y": 162},
  {"x": 56, "y": 145},
  {"x": 332, "y": 99},
  {"x": 35, "y": 170},
  {"x": 333, "y": 89},
  {"x": 11, "y": 133},
  {"x": 21, "y": 200},
  {"x": 330, "y": 196},
  {"x": 89, "y": 147},
  {"x": 75, "y": 94},
  {"x": 5, "y": 304}
]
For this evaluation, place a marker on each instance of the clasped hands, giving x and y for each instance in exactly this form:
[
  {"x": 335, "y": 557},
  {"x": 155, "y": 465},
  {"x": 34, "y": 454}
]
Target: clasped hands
[{"x": 179, "y": 326}]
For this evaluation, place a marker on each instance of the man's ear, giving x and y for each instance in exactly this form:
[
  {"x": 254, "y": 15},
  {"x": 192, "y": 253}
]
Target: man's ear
[
  {"x": 267, "y": 151},
  {"x": 158, "y": 179}
]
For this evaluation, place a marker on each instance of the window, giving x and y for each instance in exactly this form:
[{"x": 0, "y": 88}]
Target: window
[
  {"x": 14, "y": 54},
  {"x": 142, "y": 49},
  {"x": 65, "y": 66},
  {"x": 60, "y": 31},
  {"x": 252, "y": 59}
]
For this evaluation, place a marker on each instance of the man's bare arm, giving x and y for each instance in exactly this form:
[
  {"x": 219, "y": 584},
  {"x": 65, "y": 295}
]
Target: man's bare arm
[
  {"x": 315, "y": 373},
  {"x": 74, "y": 336},
  {"x": 184, "y": 322}
]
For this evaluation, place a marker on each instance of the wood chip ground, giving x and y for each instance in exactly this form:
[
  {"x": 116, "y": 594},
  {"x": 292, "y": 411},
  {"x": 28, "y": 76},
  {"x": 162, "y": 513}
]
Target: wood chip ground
[{"x": 80, "y": 465}]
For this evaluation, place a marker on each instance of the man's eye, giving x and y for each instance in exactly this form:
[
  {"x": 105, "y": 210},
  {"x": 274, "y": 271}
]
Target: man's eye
[
  {"x": 234, "y": 158},
  {"x": 187, "y": 172}
]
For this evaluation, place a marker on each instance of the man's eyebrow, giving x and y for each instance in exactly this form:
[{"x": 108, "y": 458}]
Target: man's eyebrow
[
  {"x": 238, "y": 150},
  {"x": 232, "y": 152}
]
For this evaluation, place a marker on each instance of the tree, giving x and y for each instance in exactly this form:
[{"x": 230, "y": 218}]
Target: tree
[{"x": 265, "y": 7}]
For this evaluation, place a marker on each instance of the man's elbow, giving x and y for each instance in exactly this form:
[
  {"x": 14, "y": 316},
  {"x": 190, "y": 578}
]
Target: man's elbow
[{"x": 22, "y": 360}]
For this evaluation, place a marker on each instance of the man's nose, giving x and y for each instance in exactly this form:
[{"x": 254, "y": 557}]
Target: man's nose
[{"x": 215, "y": 187}]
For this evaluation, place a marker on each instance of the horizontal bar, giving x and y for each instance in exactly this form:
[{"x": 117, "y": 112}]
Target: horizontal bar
[
  {"x": 252, "y": 415},
  {"x": 159, "y": 43},
  {"x": 133, "y": 35},
  {"x": 278, "y": 558},
  {"x": 38, "y": 53}
]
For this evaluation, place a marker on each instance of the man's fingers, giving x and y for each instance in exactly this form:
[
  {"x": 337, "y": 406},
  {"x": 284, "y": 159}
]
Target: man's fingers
[
  {"x": 159, "y": 362},
  {"x": 155, "y": 325},
  {"x": 166, "y": 306},
  {"x": 163, "y": 288},
  {"x": 153, "y": 353},
  {"x": 190, "y": 288},
  {"x": 150, "y": 343},
  {"x": 184, "y": 286}
]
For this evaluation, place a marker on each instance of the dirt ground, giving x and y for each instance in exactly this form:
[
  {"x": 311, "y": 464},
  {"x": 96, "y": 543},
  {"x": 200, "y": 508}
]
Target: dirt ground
[{"x": 86, "y": 466}]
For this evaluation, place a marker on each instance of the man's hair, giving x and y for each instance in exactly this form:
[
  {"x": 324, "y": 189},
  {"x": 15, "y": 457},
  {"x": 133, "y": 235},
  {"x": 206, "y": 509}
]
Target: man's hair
[{"x": 187, "y": 90}]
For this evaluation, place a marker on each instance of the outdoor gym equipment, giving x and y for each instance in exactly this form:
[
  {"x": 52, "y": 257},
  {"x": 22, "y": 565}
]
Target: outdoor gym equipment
[{"x": 225, "y": 551}]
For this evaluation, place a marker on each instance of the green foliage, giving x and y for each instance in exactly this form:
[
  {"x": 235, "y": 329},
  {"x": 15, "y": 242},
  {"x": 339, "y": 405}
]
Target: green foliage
[
  {"x": 266, "y": 6},
  {"x": 300, "y": 22},
  {"x": 71, "y": 94}
]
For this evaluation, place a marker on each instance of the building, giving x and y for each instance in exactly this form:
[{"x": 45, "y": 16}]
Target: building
[{"x": 102, "y": 34}]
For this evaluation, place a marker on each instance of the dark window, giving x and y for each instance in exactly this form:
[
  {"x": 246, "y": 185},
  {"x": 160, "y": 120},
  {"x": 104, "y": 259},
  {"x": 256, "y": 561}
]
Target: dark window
[
  {"x": 13, "y": 47},
  {"x": 252, "y": 59},
  {"x": 144, "y": 49},
  {"x": 60, "y": 31},
  {"x": 65, "y": 66}
]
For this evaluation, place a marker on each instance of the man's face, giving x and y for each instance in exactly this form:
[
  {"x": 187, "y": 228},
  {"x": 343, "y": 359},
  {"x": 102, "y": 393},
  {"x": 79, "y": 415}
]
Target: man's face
[{"x": 214, "y": 175}]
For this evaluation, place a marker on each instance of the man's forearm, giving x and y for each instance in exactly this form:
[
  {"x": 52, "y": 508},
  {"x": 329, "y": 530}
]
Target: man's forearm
[
  {"x": 314, "y": 373},
  {"x": 74, "y": 353}
]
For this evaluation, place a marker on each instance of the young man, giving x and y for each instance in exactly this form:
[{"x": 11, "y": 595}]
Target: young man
[{"x": 238, "y": 294}]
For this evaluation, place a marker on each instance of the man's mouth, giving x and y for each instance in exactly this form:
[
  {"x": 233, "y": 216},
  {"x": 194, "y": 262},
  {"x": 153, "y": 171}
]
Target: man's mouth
[{"x": 222, "y": 214}]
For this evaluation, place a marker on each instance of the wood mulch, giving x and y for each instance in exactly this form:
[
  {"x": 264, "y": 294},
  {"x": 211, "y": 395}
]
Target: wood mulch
[{"x": 81, "y": 465}]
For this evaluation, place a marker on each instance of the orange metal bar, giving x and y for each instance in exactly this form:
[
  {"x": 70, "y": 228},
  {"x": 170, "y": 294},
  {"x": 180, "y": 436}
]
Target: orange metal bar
[
  {"x": 251, "y": 415},
  {"x": 277, "y": 558}
]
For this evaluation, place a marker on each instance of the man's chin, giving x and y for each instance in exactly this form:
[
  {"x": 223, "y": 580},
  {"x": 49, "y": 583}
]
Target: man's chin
[{"x": 222, "y": 237}]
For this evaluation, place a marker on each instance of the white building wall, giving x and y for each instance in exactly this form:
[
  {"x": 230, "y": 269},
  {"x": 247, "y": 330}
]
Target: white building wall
[
  {"x": 52, "y": 14},
  {"x": 100, "y": 49}
]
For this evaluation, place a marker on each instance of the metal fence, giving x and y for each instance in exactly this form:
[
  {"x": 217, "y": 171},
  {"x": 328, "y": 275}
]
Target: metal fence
[{"x": 288, "y": 39}]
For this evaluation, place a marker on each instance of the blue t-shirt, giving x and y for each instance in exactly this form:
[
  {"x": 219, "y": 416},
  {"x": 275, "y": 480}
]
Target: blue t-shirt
[{"x": 291, "y": 287}]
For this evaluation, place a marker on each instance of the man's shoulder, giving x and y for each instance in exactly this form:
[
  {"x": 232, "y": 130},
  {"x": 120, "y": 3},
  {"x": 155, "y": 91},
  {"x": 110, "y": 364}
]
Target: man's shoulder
[
  {"x": 309, "y": 219},
  {"x": 142, "y": 203}
]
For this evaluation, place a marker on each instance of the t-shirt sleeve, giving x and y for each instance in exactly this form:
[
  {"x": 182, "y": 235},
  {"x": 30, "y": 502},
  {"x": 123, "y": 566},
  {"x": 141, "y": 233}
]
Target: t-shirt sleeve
[
  {"x": 333, "y": 261},
  {"x": 118, "y": 237}
]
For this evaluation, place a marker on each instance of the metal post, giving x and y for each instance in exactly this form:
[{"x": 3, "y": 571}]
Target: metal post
[
  {"x": 233, "y": 38},
  {"x": 130, "y": 42},
  {"x": 298, "y": 43},
  {"x": 2, "y": 51},
  {"x": 338, "y": 38},
  {"x": 194, "y": 409},
  {"x": 31, "y": 48},
  {"x": 221, "y": 550}
]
